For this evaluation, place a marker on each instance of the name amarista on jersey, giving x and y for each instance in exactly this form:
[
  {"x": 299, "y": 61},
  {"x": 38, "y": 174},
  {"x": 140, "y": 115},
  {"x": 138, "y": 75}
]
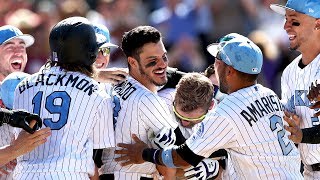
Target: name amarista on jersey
[
  {"x": 61, "y": 80},
  {"x": 261, "y": 107}
]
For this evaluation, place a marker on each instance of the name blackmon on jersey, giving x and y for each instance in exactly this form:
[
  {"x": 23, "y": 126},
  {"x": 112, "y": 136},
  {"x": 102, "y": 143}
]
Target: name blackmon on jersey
[{"x": 67, "y": 80}]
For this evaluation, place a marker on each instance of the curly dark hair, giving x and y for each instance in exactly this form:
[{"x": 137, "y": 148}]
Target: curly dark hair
[{"x": 135, "y": 39}]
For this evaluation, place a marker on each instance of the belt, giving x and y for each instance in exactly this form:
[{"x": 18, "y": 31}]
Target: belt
[
  {"x": 315, "y": 167},
  {"x": 111, "y": 177}
]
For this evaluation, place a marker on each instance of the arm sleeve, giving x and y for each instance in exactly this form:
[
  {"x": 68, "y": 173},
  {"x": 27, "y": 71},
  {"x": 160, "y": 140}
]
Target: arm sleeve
[
  {"x": 3, "y": 113},
  {"x": 311, "y": 135},
  {"x": 1, "y": 116},
  {"x": 103, "y": 133},
  {"x": 180, "y": 139},
  {"x": 97, "y": 157},
  {"x": 190, "y": 157}
]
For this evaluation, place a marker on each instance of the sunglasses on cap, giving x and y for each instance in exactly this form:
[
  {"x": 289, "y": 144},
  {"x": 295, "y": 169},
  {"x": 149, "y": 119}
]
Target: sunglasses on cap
[
  {"x": 105, "y": 51},
  {"x": 185, "y": 118}
]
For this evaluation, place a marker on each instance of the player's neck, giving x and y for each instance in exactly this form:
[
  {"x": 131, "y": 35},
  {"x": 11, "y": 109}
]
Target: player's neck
[
  {"x": 309, "y": 56},
  {"x": 2, "y": 77},
  {"x": 310, "y": 52},
  {"x": 242, "y": 85}
]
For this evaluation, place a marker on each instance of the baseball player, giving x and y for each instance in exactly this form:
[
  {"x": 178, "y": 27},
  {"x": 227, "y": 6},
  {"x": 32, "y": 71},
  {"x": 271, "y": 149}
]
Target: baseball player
[
  {"x": 137, "y": 107},
  {"x": 193, "y": 98},
  {"x": 70, "y": 102},
  {"x": 303, "y": 28},
  {"x": 247, "y": 123},
  {"x": 108, "y": 76},
  {"x": 13, "y": 58}
]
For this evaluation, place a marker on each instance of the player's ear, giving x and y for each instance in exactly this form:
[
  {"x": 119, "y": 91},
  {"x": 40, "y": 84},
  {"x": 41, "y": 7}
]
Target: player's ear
[
  {"x": 212, "y": 104},
  {"x": 132, "y": 62},
  {"x": 230, "y": 71},
  {"x": 317, "y": 26}
]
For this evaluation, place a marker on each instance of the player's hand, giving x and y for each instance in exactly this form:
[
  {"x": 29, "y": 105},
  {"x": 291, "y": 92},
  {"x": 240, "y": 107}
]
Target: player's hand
[
  {"x": 26, "y": 142},
  {"x": 23, "y": 119},
  {"x": 131, "y": 153},
  {"x": 293, "y": 121},
  {"x": 207, "y": 168},
  {"x": 112, "y": 75},
  {"x": 314, "y": 96},
  {"x": 314, "y": 91},
  {"x": 164, "y": 139}
]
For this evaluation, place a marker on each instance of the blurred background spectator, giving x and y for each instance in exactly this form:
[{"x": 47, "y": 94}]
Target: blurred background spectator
[{"x": 188, "y": 27}]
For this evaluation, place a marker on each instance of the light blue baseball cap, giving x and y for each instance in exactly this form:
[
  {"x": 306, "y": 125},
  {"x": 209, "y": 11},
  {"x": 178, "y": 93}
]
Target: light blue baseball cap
[
  {"x": 103, "y": 36},
  {"x": 8, "y": 87},
  {"x": 239, "y": 52},
  {"x": 308, "y": 7},
  {"x": 9, "y": 32}
]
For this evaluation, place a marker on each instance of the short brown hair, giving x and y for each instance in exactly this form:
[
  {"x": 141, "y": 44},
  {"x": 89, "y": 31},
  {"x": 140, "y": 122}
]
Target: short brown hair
[{"x": 194, "y": 91}]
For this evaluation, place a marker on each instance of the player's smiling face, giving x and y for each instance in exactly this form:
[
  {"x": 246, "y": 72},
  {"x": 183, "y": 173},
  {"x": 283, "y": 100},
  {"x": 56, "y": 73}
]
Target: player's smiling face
[
  {"x": 300, "y": 29},
  {"x": 152, "y": 65},
  {"x": 102, "y": 60},
  {"x": 13, "y": 57}
]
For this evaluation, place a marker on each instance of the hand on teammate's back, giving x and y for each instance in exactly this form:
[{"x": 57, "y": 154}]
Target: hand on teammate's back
[
  {"x": 131, "y": 153},
  {"x": 112, "y": 75},
  {"x": 314, "y": 96},
  {"x": 23, "y": 119},
  {"x": 293, "y": 121}
]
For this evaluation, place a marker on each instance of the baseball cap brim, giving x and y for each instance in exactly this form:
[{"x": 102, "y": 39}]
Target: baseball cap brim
[
  {"x": 28, "y": 39},
  {"x": 108, "y": 45},
  {"x": 213, "y": 49},
  {"x": 280, "y": 9}
]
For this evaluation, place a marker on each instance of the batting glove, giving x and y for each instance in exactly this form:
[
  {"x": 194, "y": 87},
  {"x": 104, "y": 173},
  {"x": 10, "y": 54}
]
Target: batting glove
[
  {"x": 22, "y": 119},
  {"x": 164, "y": 139},
  {"x": 207, "y": 168}
]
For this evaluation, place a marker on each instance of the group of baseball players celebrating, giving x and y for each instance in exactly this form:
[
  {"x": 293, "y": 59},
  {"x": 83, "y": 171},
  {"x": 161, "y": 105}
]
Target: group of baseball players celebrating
[{"x": 77, "y": 119}]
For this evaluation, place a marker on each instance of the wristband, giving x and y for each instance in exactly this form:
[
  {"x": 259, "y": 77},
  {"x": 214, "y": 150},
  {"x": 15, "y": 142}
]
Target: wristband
[
  {"x": 167, "y": 160},
  {"x": 311, "y": 135},
  {"x": 149, "y": 155}
]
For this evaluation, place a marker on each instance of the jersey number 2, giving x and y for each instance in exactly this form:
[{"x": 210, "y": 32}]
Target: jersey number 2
[
  {"x": 53, "y": 106},
  {"x": 274, "y": 120}
]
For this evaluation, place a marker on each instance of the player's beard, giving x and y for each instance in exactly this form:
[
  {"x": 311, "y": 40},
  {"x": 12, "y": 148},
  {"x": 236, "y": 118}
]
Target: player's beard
[
  {"x": 149, "y": 78},
  {"x": 294, "y": 48},
  {"x": 223, "y": 85}
]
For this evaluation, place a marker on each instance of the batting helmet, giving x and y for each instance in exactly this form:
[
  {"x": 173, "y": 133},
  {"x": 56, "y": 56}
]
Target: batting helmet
[{"x": 73, "y": 41}]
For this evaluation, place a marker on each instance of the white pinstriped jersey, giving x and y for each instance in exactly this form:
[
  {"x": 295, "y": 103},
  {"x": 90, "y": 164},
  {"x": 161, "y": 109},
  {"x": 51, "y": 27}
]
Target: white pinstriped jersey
[
  {"x": 139, "y": 111},
  {"x": 79, "y": 113},
  {"x": 295, "y": 83},
  {"x": 6, "y": 137},
  {"x": 167, "y": 95},
  {"x": 249, "y": 125}
]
